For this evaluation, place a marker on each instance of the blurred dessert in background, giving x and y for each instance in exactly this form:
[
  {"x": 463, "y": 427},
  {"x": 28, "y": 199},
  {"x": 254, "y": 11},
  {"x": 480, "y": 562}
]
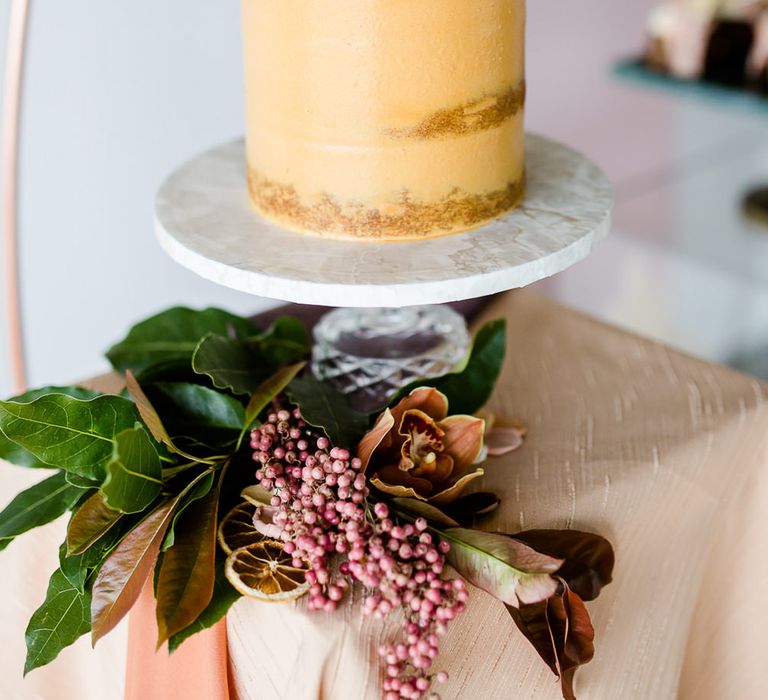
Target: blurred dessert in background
[{"x": 719, "y": 41}]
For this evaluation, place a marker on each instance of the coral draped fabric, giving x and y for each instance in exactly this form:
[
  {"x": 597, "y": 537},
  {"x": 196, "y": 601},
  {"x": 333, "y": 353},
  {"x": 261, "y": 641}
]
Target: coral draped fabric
[
  {"x": 665, "y": 455},
  {"x": 197, "y": 670}
]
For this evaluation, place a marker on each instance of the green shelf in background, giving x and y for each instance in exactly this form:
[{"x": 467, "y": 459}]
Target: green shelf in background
[{"x": 635, "y": 71}]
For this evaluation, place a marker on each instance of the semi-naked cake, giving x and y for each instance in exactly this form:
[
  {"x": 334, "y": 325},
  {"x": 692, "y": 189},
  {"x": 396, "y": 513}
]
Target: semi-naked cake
[{"x": 384, "y": 119}]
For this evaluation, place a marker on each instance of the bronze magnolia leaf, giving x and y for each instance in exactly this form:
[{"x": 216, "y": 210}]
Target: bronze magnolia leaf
[
  {"x": 187, "y": 572},
  {"x": 91, "y": 522},
  {"x": 589, "y": 558},
  {"x": 124, "y": 573},
  {"x": 561, "y": 632},
  {"x": 147, "y": 411}
]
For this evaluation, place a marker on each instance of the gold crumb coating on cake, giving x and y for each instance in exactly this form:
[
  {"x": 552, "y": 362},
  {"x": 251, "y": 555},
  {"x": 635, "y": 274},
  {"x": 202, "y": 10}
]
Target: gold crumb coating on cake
[
  {"x": 486, "y": 113},
  {"x": 403, "y": 220}
]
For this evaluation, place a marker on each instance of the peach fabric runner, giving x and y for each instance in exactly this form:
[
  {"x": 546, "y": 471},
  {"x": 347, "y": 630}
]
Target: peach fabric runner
[{"x": 197, "y": 670}]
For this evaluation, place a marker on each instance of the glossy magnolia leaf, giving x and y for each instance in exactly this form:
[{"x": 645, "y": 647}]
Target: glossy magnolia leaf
[
  {"x": 63, "y": 618},
  {"x": 152, "y": 419},
  {"x": 474, "y": 505},
  {"x": 200, "y": 490},
  {"x": 469, "y": 388},
  {"x": 589, "y": 558},
  {"x": 507, "y": 569},
  {"x": 192, "y": 408},
  {"x": 147, "y": 411},
  {"x": 91, "y": 521},
  {"x": 323, "y": 407},
  {"x": 174, "y": 371},
  {"x": 561, "y": 632},
  {"x": 224, "y": 595},
  {"x": 268, "y": 390},
  {"x": 73, "y": 568},
  {"x": 134, "y": 474},
  {"x": 76, "y": 392},
  {"x": 10, "y": 451},
  {"x": 78, "y": 568},
  {"x": 38, "y": 505},
  {"x": 422, "y": 509},
  {"x": 81, "y": 482},
  {"x": 68, "y": 433},
  {"x": 124, "y": 573},
  {"x": 230, "y": 364},
  {"x": 285, "y": 342},
  {"x": 172, "y": 336},
  {"x": 187, "y": 572}
]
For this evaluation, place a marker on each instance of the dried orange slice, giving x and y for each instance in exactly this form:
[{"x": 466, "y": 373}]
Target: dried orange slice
[
  {"x": 237, "y": 530},
  {"x": 257, "y": 495},
  {"x": 262, "y": 570}
]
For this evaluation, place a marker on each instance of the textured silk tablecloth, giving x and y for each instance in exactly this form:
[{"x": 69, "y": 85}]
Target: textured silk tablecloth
[{"x": 665, "y": 455}]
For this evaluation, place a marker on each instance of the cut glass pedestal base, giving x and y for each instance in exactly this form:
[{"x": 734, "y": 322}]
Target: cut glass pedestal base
[{"x": 368, "y": 354}]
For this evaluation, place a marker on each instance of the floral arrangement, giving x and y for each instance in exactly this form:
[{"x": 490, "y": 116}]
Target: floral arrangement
[{"x": 226, "y": 469}]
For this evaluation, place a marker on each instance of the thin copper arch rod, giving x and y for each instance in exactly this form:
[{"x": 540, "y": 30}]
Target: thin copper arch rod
[{"x": 9, "y": 143}]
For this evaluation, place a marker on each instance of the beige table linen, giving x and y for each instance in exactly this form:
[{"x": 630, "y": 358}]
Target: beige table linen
[
  {"x": 665, "y": 455},
  {"x": 79, "y": 673}
]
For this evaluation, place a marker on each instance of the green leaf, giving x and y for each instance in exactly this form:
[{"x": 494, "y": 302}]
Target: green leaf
[
  {"x": 324, "y": 407},
  {"x": 187, "y": 572},
  {"x": 10, "y": 451},
  {"x": 230, "y": 363},
  {"x": 173, "y": 335},
  {"x": 134, "y": 474},
  {"x": 151, "y": 417},
  {"x": 285, "y": 342},
  {"x": 79, "y": 567},
  {"x": 201, "y": 489},
  {"x": 38, "y": 505},
  {"x": 81, "y": 482},
  {"x": 507, "y": 569},
  {"x": 175, "y": 371},
  {"x": 76, "y": 392},
  {"x": 224, "y": 595},
  {"x": 469, "y": 389},
  {"x": 267, "y": 391},
  {"x": 122, "y": 576},
  {"x": 192, "y": 409},
  {"x": 62, "y": 619},
  {"x": 69, "y": 433}
]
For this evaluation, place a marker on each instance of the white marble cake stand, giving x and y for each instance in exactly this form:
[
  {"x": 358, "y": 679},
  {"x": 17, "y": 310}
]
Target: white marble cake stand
[{"x": 204, "y": 221}]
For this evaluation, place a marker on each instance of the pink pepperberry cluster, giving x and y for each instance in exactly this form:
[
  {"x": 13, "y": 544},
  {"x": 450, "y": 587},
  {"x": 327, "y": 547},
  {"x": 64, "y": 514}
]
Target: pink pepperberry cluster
[
  {"x": 401, "y": 567},
  {"x": 319, "y": 494},
  {"x": 321, "y": 508}
]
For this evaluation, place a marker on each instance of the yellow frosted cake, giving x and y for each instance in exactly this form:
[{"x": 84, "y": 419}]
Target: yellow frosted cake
[{"x": 384, "y": 119}]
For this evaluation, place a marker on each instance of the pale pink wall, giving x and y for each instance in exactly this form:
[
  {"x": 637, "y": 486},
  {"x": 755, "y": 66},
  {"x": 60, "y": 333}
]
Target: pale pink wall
[
  {"x": 631, "y": 131},
  {"x": 572, "y": 45}
]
